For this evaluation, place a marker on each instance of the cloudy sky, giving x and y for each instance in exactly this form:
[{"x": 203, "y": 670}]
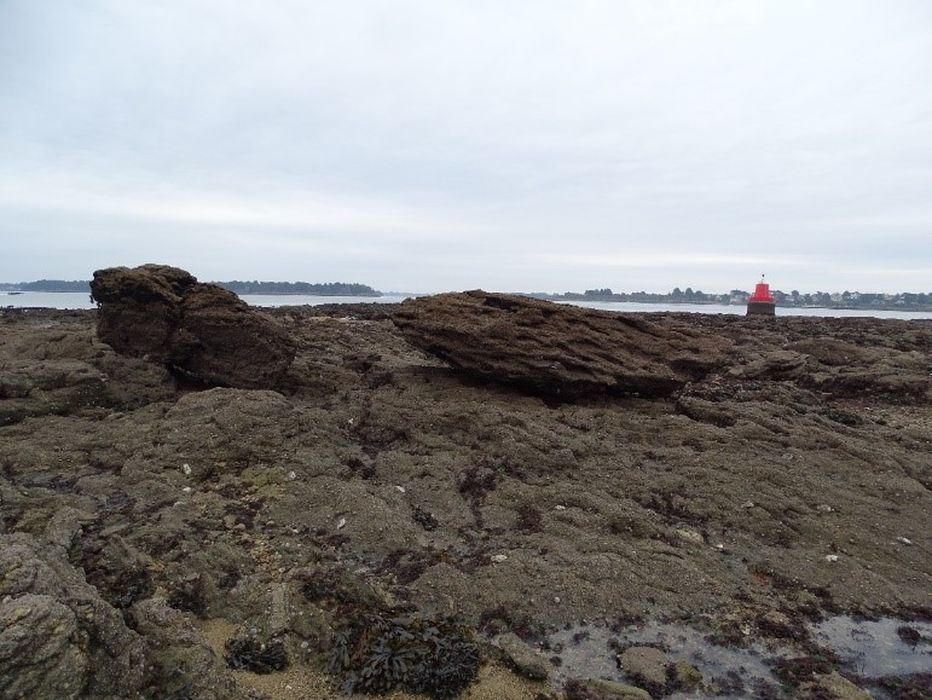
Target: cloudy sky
[{"x": 428, "y": 145}]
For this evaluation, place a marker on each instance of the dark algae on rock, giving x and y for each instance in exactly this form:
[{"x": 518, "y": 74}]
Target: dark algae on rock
[{"x": 375, "y": 652}]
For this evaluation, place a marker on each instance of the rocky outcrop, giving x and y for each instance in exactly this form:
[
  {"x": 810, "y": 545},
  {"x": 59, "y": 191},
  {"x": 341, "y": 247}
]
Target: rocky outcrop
[
  {"x": 58, "y": 638},
  {"x": 183, "y": 664},
  {"x": 554, "y": 349},
  {"x": 200, "y": 331}
]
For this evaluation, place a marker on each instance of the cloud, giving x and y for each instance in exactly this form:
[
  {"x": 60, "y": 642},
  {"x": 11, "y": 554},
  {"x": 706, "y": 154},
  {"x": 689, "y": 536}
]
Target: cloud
[{"x": 423, "y": 145}]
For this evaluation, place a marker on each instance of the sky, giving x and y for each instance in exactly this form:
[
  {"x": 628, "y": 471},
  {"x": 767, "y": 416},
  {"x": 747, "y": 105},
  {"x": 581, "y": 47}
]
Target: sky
[{"x": 425, "y": 145}]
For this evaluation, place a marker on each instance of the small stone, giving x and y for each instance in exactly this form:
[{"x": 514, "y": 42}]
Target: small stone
[
  {"x": 498, "y": 558},
  {"x": 832, "y": 558},
  {"x": 401, "y": 489},
  {"x": 186, "y": 469},
  {"x": 292, "y": 475},
  {"x": 526, "y": 660},
  {"x": 186, "y": 489},
  {"x": 341, "y": 523},
  {"x": 613, "y": 690},
  {"x": 824, "y": 508},
  {"x": 559, "y": 507},
  {"x": 747, "y": 504},
  {"x": 686, "y": 676},
  {"x": 904, "y": 540},
  {"x": 833, "y": 685},
  {"x": 645, "y": 666},
  {"x": 689, "y": 535}
]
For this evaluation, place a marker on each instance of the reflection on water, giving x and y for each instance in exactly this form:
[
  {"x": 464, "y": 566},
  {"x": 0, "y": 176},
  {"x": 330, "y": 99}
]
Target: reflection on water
[
  {"x": 875, "y": 648},
  {"x": 869, "y": 649}
]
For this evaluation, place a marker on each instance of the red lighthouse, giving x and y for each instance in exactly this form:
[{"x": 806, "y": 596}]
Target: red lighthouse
[{"x": 762, "y": 303}]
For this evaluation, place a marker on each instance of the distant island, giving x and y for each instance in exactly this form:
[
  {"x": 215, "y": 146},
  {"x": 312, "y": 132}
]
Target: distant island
[
  {"x": 327, "y": 289},
  {"x": 904, "y": 301}
]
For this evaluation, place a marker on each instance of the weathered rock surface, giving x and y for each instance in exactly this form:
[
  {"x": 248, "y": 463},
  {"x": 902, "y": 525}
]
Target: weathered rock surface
[
  {"x": 524, "y": 659},
  {"x": 200, "y": 331},
  {"x": 184, "y": 665},
  {"x": 833, "y": 686},
  {"x": 600, "y": 689},
  {"x": 58, "y": 638},
  {"x": 555, "y": 349},
  {"x": 645, "y": 666},
  {"x": 392, "y": 469}
]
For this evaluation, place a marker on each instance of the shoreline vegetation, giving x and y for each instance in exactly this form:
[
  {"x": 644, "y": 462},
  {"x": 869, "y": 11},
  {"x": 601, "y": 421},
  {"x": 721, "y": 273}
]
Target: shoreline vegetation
[
  {"x": 902, "y": 301},
  {"x": 327, "y": 289}
]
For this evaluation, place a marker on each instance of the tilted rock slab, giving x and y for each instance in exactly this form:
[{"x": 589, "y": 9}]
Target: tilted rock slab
[
  {"x": 201, "y": 332},
  {"x": 556, "y": 349}
]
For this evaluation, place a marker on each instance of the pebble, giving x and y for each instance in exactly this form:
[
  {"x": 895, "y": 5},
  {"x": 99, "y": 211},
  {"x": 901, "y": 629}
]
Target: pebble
[
  {"x": 186, "y": 469},
  {"x": 559, "y": 507},
  {"x": 825, "y": 508},
  {"x": 499, "y": 558},
  {"x": 186, "y": 489},
  {"x": 292, "y": 475},
  {"x": 526, "y": 660},
  {"x": 401, "y": 489},
  {"x": 831, "y": 558},
  {"x": 747, "y": 504},
  {"x": 689, "y": 535},
  {"x": 904, "y": 540},
  {"x": 341, "y": 523}
]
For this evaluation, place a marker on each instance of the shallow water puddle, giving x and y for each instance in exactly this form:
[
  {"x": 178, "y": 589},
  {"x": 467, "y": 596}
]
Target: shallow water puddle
[
  {"x": 870, "y": 649},
  {"x": 875, "y": 648}
]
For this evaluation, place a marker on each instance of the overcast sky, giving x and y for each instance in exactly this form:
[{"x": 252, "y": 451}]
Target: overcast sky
[{"x": 427, "y": 145}]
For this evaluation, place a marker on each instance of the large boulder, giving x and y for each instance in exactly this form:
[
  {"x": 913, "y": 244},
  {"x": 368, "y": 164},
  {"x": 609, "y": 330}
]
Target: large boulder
[
  {"x": 556, "y": 349},
  {"x": 201, "y": 332}
]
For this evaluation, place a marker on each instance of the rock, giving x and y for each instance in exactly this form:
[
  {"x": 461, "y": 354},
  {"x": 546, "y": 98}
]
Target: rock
[
  {"x": 199, "y": 331},
  {"x": 645, "y": 666},
  {"x": 775, "y": 364},
  {"x": 526, "y": 661},
  {"x": 48, "y": 387},
  {"x": 780, "y": 625},
  {"x": 686, "y": 676},
  {"x": 835, "y": 686},
  {"x": 59, "y": 639},
  {"x": 553, "y": 349},
  {"x": 184, "y": 663},
  {"x": 604, "y": 690},
  {"x": 690, "y": 536},
  {"x": 40, "y": 650}
]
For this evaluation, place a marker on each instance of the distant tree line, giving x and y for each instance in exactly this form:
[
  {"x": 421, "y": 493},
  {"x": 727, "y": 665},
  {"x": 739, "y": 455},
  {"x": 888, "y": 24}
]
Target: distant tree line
[
  {"x": 48, "y": 286},
  {"x": 834, "y": 300},
  {"x": 328, "y": 289}
]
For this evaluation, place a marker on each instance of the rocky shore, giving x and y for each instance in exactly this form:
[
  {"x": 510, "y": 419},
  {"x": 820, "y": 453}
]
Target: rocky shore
[{"x": 199, "y": 500}]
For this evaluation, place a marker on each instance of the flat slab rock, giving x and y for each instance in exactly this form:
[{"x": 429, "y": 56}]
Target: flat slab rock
[
  {"x": 201, "y": 332},
  {"x": 556, "y": 349}
]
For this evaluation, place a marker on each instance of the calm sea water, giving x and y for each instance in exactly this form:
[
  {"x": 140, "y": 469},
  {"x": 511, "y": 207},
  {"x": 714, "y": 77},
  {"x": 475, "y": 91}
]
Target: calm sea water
[{"x": 68, "y": 300}]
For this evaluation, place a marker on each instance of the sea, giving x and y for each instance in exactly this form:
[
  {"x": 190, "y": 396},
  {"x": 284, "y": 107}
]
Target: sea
[{"x": 75, "y": 300}]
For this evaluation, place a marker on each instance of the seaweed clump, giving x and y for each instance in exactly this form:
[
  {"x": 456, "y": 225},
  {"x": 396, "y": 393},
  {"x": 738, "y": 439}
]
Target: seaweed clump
[
  {"x": 377, "y": 652},
  {"x": 250, "y": 654}
]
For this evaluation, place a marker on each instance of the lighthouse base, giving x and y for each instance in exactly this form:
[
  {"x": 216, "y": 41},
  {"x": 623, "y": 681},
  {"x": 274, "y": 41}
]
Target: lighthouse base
[{"x": 762, "y": 308}]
